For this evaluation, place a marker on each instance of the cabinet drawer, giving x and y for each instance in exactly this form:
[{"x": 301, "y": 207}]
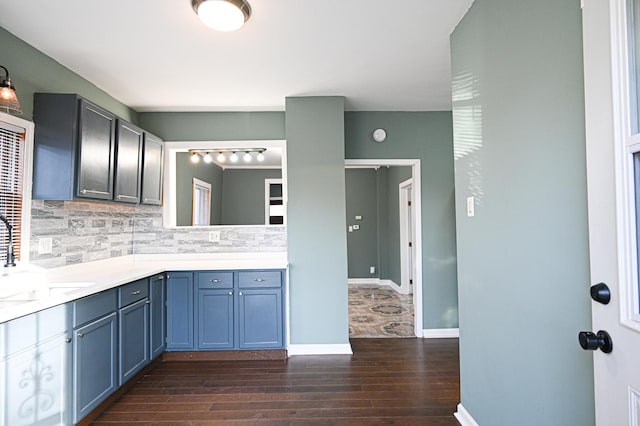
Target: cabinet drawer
[
  {"x": 94, "y": 306},
  {"x": 253, "y": 279},
  {"x": 215, "y": 279},
  {"x": 132, "y": 292}
]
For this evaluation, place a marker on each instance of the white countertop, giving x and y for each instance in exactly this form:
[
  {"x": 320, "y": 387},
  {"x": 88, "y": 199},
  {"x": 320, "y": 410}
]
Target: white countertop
[{"x": 75, "y": 281}]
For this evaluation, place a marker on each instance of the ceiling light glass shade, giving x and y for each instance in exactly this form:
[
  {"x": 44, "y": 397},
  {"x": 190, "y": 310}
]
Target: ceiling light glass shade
[
  {"x": 222, "y": 15},
  {"x": 195, "y": 158},
  {"x": 247, "y": 157},
  {"x": 8, "y": 99},
  {"x": 260, "y": 156},
  {"x": 234, "y": 157},
  {"x": 221, "y": 158},
  {"x": 208, "y": 158}
]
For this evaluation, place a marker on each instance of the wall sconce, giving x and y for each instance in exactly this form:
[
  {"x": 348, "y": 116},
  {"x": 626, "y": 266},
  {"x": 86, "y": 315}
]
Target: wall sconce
[
  {"x": 8, "y": 98},
  {"x": 222, "y": 15}
]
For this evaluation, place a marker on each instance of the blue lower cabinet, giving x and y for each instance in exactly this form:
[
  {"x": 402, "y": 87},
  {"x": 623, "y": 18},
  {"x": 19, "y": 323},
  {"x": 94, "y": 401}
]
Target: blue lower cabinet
[
  {"x": 95, "y": 373},
  {"x": 215, "y": 319},
  {"x": 134, "y": 339},
  {"x": 180, "y": 311},
  {"x": 260, "y": 324},
  {"x": 157, "y": 315}
]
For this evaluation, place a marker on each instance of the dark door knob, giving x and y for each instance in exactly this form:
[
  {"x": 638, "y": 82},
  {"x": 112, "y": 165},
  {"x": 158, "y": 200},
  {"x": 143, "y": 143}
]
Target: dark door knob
[
  {"x": 600, "y": 293},
  {"x": 590, "y": 341}
]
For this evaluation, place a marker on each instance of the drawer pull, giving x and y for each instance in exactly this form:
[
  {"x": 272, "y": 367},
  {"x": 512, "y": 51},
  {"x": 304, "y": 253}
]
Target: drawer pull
[
  {"x": 259, "y": 280},
  {"x": 230, "y": 293},
  {"x": 215, "y": 280},
  {"x": 81, "y": 335},
  {"x": 135, "y": 293},
  {"x": 161, "y": 277},
  {"x": 240, "y": 293}
]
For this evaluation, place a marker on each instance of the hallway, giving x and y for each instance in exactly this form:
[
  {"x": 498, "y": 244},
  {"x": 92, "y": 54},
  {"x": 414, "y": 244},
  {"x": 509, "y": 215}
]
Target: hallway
[{"x": 377, "y": 311}]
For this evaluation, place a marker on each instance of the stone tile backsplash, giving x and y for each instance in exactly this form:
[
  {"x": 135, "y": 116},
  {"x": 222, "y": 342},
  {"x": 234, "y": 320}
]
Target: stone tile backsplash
[{"x": 83, "y": 232}]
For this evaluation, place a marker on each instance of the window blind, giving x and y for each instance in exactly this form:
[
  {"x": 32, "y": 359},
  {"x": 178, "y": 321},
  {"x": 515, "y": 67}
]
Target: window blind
[{"x": 12, "y": 143}]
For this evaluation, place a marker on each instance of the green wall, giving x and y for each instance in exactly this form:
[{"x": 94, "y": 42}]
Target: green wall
[
  {"x": 32, "y": 71},
  {"x": 523, "y": 264},
  {"x": 243, "y": 200},
  {"x": 362, "y": 200},
  {"x": 426, "y": 136},
  {"x": 316, "y": 221},
  {"x": 214, "y": 126},
  {"x": 185, "y": 172}
]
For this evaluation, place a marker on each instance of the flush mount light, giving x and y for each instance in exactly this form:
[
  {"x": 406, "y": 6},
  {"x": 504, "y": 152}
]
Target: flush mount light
[
  {"x": 379, "y": 135},
  {"x": 8, "y": 98},
  {"x": 222, "y": 15}
]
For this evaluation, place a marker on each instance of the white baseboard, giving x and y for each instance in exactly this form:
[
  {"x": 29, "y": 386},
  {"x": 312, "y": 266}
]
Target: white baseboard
[
  {"x": 440, "y": 333},
  {"x": 464, "y": 418},
  {"x": 361, "y": 281},
  {"x": 344, "y": 349}
]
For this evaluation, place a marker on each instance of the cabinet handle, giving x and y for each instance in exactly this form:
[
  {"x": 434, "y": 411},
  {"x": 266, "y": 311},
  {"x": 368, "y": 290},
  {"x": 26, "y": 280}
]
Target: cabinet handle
[
  {"x": 161, "y": 277},
  {"x": 81, "y": 335},
  {"x": 215, "y": 280},
  {"x": 67, "y": 340},
  {"x": 83, "y": 191},
  {"x": 230, "y": 293},
  {"x": 259, "y": 280},
  {"x": 134, "y": 293},
  {"x": 240, "y": 293}
]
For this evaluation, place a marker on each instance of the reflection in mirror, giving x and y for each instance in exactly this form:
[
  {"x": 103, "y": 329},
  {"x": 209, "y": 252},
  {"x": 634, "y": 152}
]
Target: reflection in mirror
[{"x": 235, "y": 174}]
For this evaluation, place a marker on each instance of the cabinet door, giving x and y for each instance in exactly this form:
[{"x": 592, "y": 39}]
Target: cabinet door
[
  {"x": 133, "y": 321},
  {"x": 94, "y": 364},
  {"x": 128, "y": 160},
  {"x": 215, "y": 319},
  {"x": 157, "y": 315},
  {"x": 152, "y": 166},
  {"x": 180, "y": 312},
  {"x": 95, "y": 152},
  {"x": 260, "y": 318},
  {"x": 35, "y": 356}
]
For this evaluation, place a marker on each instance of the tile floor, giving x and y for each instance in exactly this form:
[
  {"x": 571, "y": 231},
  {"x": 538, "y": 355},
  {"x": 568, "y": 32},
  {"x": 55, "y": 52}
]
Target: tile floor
[{"x": 379, "y": 311}]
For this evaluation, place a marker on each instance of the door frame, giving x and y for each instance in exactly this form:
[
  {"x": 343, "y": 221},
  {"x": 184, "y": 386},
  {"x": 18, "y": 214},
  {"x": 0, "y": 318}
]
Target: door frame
[
  {"x": 417, "y": 214},
  {"x": 407, "y": 235}
]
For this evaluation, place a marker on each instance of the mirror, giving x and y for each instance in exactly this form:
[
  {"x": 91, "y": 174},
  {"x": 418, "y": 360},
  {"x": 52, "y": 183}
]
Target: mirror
[{"x": 218, "y": 190}]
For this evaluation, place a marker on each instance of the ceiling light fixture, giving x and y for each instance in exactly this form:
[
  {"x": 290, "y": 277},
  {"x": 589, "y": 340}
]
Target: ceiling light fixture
[
  {"x": 195, "y": 158},
  {"x": 8, "y": 98},
  {"x": 221, "y": 158},
  {"x": 208, "y": 158},
  {"x": 260, "y": 156},
  {"x": 222, "y": 15},
  {"x": 221, "y": 154},
  {"x": 234, "y": 157},
  {"x": 247, "y": 157}
]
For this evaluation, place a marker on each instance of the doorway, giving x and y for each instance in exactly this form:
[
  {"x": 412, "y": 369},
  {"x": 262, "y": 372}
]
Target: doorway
[{"x": 385, "y": 274}]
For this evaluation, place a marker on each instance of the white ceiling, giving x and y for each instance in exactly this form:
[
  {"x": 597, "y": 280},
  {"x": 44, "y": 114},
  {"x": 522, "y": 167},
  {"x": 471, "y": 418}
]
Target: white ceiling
[{"x": 155, "y": 55}]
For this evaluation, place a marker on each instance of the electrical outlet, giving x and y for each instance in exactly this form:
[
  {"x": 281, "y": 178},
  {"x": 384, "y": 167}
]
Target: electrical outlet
[
  {"x": 372, "y": 269},
  {"x": 214, "y": 236},
  {"x": 45, "y": 245},
  {"x": 356, "y": 227}
]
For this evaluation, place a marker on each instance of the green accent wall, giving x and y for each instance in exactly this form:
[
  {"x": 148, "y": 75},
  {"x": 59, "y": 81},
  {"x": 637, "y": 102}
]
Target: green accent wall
[
  {"x": 243, "y": 193},
  {"x": 427, "y": 136},
  {"x": 214, "y": 126},
  {"x": 32, "y": 71},
  {"x": 523, "y": 261},
  {"x": 362, "y": 200},
  {"x": 316, "y": 227},
  {"x": 185, "y": 172}
]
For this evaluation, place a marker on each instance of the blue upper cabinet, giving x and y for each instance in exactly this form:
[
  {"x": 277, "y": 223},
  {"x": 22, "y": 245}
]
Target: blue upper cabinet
[
  {"x": 152, "y": 162},
  {"x": 74, "y": 148},
  {"x": 127, "y": 176},
  {"x": 180, "y": 312}
]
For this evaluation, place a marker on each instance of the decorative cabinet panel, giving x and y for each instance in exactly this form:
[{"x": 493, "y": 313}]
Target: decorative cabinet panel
[
  {"x": 35, "y": 369},
  {"x": 133, "y": 323},
  {"x": 152, "y": 166},
  {"x": 128, "y": 163},
  {"x": 260, "y": 318},
  {"x": 157, "y": 315},
  {"x": 215, "y": 319},
  {"x": 180, "y": 312}
]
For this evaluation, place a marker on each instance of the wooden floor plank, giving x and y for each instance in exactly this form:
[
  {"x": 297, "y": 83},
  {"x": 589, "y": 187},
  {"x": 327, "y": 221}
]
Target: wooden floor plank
[{"x": 384, "y": 382}]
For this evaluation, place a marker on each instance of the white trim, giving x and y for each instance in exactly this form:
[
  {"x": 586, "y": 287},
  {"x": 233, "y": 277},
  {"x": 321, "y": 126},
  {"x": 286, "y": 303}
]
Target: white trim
[
  {"x": 417, "y": 199},
  {"x": 337, "y": 349},
  {"x": 440, "y": 333},
  {"x": 405, "y": 195},
  {"x": 27, "y": 179},
  {"x": 463, "y": 417}
]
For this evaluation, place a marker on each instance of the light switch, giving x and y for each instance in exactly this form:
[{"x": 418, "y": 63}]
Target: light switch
[
  {"x": 358, "y": 217},
  {"x": 470, "y": 207},
  {"x": 350, "y": 228},
  {"x": 45, "y": 245}
]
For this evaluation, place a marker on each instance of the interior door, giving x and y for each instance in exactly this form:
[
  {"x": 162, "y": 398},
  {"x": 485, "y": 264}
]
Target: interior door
[{"x": 613, "y": 141}]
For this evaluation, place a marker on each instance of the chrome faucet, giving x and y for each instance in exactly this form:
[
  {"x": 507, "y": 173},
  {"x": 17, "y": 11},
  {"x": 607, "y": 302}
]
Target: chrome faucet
[{"x": 11, "y": 257}]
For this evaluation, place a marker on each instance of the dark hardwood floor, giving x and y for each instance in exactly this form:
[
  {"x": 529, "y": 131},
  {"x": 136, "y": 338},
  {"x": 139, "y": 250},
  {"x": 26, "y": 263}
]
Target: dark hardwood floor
[{"x": 385, "y": 381}]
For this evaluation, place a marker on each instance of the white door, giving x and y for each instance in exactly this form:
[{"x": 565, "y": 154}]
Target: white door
[
  {"x": 407, "y": 261},
  {"x": 613, "y": 137}
]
